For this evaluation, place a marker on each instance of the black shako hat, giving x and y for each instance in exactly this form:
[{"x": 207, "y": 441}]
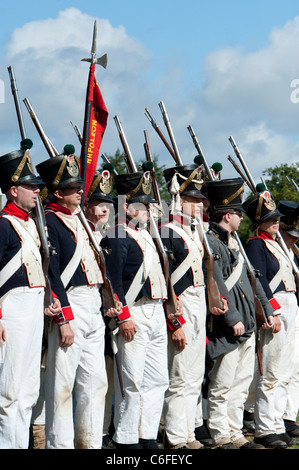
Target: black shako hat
[
  {"x": 16, "y": 168},
  {"x": 289, "y": 219},
  {"x": 101, "y": 185},
  {"x": 185, "y": 179},
  {"x": 60, "y": 171},
  {"x": 261, "y": 207},
  {"x": 225, "y": 194},
  {"x": 136, "y": 187}
]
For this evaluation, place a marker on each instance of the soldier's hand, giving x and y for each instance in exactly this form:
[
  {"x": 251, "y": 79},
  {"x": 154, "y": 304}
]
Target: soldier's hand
[
  {"x": 114, "y": 312},
  {"x": 178, "y": 312},
  {"x": 179, "y": 339},
  {"x": 238, "y": 329},
  {"x": 274, "y": 323},
  {"x": 2, "y": 334},
  {"x": 54, "y": 309},
  {"x": 66, "y": 335},
  {"x": 127, "y": 330},
  {"x": 220, "y": 311}
]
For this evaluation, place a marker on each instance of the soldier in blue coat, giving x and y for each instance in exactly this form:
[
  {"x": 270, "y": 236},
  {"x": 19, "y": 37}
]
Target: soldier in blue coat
[
  {"x": 22, "y": 289},
  {"x": 277, "y": 279},
  {"x": 76, "y": 380},
  {"x": 138, "y": 280}
]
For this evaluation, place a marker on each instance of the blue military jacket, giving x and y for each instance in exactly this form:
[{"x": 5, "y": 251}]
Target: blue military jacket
[{"x": 10, "y": 244}]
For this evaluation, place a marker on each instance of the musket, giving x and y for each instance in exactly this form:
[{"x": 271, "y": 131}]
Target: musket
[
  {"x": 109, "y": 300},
  {"x": 240, "y": 157},
  {"x": 200, "y": 152},
  {"x": 159, "y": 132},
  {"x": 149, "y": 158},
  {"x": 78, "y": 132},
  {"x": 241, "y": 173},
  {"x": 47, "y": 249},
  {"x": 170, "y": 304},
  {"x": 170, "y": 133},
  {"x": 214, "y": 298},
  {"x": 279, "y": 237}
]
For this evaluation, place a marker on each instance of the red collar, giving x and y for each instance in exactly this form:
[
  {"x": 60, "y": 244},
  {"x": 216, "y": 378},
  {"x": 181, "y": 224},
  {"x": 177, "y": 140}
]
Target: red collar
[
  {"x": 262, "y": 235},
  {"x": 11, "y": 209},
  {"x": 58, "y": 208},
  {"x": 181, "y": 219}
]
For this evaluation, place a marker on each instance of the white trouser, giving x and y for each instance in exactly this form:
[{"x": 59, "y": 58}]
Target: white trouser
[
  {"x": 229, "y": 382},
  {"x": 292, "y": 407},
  {"x": 22, "y": 317},
  {"x": 278, "y": 352},
  {"x": 76, "y": 380},
  {"x": 143, "y": 364},
  {"x": 186, "y": 370}
]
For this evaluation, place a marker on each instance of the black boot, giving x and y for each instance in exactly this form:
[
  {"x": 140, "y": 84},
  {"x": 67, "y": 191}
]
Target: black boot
[
  {"x": 128, "y": 446},
  {"x": 203, "y": 436},
  {"x": 248, "y": 422},
  {"x": 149, "y": 444},
  {"x": 292, "y": 428}
]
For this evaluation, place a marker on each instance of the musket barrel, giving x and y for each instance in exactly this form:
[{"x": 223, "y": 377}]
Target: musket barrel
[
  {"x": 238, "y": 153},
  {"x": 170, "y": 133},
  {"x": 50, "y": 148},
  {"x": 14, "y": 90},
  {"x": 198, "y": 148},
  {"x": 159, "y": 132}
]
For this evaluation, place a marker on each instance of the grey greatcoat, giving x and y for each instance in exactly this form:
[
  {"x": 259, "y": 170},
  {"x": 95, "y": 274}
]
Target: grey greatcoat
[{"x": 240, "y": 296}]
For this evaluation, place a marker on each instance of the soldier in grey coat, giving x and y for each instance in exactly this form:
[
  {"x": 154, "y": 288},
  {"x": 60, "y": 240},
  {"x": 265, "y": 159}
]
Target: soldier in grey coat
[{"x": 232, "y": 337}]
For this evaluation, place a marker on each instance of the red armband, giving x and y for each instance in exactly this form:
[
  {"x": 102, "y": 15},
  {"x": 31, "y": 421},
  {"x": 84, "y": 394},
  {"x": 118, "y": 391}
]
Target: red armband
[
  {"x": 125, "y": 315},
  {"x": 66, "y": 314},
  {"x": 0, "y": 313},
  {"x": 176, "y": 323},
  {"x": 274, "y": 304}
]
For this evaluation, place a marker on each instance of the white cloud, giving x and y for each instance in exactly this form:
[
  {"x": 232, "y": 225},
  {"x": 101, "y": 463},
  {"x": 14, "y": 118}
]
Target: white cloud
[{"x": 246, "y": 95}]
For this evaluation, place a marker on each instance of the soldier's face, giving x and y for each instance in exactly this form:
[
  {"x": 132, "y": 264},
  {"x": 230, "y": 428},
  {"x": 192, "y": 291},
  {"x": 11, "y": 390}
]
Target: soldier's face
[
  {"x": 25, "y": 196},
  {"x": 138, "y": 211},
  {"x": 98, "y": 211},
  {"x": 235, "y": 219},
  {"x": 270, "y": 226},
  {"x": 70, "y": 197},
  {"x": 192, "y": 206}
]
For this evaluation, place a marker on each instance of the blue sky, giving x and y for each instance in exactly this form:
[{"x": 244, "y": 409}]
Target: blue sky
[{"x": 224, "y": 66}]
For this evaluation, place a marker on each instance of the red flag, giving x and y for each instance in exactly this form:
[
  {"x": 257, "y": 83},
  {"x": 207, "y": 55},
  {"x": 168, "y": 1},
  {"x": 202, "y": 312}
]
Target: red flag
[{"x": 96, "y": 116}]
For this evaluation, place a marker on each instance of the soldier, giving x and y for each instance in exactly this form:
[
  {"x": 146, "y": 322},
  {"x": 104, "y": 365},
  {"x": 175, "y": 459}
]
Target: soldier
[
  {"x": 22, "y": 286},
  {"x": 187, "y": 341},
  {"x": 138, "y": 280},
  {"x": 231, "y": 346},
  {"x": 289, "y": 229},
  {"x": 278, "y": 282},
  {"x": 76, "y": 382},
  {"x": 99, "y": 209}
]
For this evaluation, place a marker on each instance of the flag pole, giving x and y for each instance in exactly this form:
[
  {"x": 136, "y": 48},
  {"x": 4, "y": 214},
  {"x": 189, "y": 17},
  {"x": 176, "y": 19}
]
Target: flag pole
[{"x": 88, "y": 105}]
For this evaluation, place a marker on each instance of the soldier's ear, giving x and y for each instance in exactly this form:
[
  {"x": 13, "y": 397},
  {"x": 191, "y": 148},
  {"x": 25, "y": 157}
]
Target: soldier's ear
[{"x": 58, "y": 194}]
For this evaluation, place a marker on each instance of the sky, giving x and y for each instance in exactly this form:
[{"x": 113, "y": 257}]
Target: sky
[{"x": 228, "y": 68}]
